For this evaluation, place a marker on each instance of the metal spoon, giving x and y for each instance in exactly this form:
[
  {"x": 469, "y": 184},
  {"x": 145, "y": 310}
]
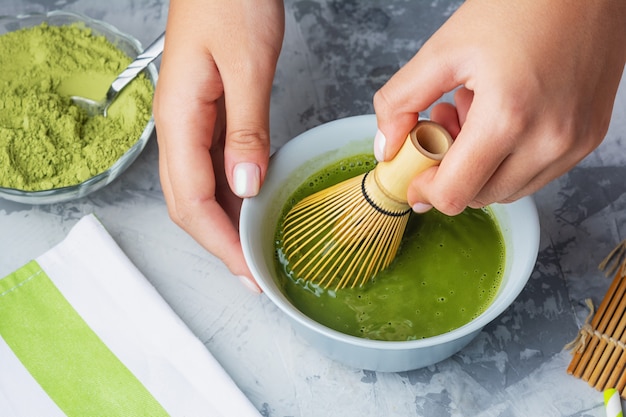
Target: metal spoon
[{"x": 95, "y": 108}]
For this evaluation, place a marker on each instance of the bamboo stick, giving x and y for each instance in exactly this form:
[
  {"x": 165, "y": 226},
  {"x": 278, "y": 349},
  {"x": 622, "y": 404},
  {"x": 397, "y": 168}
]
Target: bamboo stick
[
  {"x": 604, "y": 343},
  {"x": 601, "y": 319},
  {"x": 595, "y": 323},
  {"x": 600, "y": 357},
  {"x": 606, "y": 365},
  {"x": 617, "y": 360}
]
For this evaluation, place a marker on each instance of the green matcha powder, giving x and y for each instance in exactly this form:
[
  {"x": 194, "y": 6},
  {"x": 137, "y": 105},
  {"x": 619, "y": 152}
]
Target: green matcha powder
[{"x": 45, "y": 140}]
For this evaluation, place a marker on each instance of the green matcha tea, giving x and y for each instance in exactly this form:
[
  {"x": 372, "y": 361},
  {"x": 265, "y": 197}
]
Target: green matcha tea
[
  {"x": 446, "y": 273},
  {"x": 45, "y": 140}
]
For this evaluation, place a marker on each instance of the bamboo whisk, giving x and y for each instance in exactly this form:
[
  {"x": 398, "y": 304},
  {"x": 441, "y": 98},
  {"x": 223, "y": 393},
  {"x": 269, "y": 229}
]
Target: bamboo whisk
[{"x": 347, "y": 233}]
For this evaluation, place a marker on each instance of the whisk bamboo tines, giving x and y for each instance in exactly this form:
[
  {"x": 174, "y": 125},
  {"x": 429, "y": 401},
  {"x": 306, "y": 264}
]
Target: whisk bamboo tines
[{"x": 347, "y": 233}]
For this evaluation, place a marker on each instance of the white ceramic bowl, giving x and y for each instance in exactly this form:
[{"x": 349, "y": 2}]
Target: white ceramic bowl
[
  {"x": 302, "y": 157},
  {"x": 127, "y": 44}
]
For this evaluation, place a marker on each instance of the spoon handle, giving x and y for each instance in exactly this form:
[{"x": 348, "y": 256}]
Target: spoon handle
[{"x": 149, "y": 54}]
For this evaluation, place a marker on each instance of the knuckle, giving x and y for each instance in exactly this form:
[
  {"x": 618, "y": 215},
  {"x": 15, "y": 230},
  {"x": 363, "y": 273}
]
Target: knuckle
[
  {"x": 556, "y": 147},
  {"x": 479, "y": 203},
  {"x": 449, "y": 206},
  {"x": 183, "y": 212},
  {"x": 248, "y": 138},
  {"x": 382, "y": 102},
  {"x": 180, "y": 215},
  {"x": 511, "y": 122},
  {"x": 566, "y": 142},
  {"x": 511, "y": 199}
]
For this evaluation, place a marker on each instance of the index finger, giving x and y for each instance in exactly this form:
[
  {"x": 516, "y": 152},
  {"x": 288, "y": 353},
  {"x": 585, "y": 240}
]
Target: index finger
[{"x": 186, "y": 120}]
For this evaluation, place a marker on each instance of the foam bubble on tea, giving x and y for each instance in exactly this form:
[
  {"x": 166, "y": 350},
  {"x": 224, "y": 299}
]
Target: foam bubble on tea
[{"x": 446, "y": 273}]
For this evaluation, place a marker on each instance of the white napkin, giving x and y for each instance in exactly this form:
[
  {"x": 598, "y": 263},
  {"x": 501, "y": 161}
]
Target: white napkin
[{"x": 134, "y": 322}]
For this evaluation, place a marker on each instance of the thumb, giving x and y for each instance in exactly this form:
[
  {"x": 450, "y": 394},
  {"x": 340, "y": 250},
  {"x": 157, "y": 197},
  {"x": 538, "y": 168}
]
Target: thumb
[
  {"x": 411, "y": 90},
  {"x": 247, "y": 144}
]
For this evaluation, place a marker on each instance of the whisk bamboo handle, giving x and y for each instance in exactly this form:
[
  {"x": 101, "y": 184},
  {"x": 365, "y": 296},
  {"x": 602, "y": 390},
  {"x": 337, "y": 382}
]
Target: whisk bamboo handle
[{"x": 423, "y": 148}]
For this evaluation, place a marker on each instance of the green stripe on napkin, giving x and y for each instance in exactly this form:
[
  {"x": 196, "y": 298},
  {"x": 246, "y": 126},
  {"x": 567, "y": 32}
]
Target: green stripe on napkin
[{"x": 70, "y": 362}]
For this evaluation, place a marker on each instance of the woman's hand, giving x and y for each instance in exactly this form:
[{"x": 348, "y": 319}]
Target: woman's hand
[
  {"x": 536, "y": 82},
  {"x": 211, "y": 110}
]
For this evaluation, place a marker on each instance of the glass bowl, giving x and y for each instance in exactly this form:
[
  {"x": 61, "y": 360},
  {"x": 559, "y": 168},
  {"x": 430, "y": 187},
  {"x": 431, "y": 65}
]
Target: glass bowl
[{"x": 127, "y": 44}]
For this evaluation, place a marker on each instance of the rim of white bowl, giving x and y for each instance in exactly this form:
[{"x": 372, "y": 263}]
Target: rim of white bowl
[{"x": 367, "y": 123}]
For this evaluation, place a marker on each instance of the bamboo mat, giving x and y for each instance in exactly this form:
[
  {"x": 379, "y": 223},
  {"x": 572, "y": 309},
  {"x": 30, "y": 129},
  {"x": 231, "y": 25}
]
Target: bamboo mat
[{"x": 599, "y": 350}]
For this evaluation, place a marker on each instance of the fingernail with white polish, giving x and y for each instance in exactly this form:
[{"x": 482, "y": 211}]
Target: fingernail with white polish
[
  {"x": 249, "y": 284},
  {"x": 379, "y": 146},
  {"x": 421, "y": 207},
  {"x": 247, "y": 178}
]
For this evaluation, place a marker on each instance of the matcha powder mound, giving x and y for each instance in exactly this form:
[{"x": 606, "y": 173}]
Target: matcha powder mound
[{"x": 45, "y": 140}]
